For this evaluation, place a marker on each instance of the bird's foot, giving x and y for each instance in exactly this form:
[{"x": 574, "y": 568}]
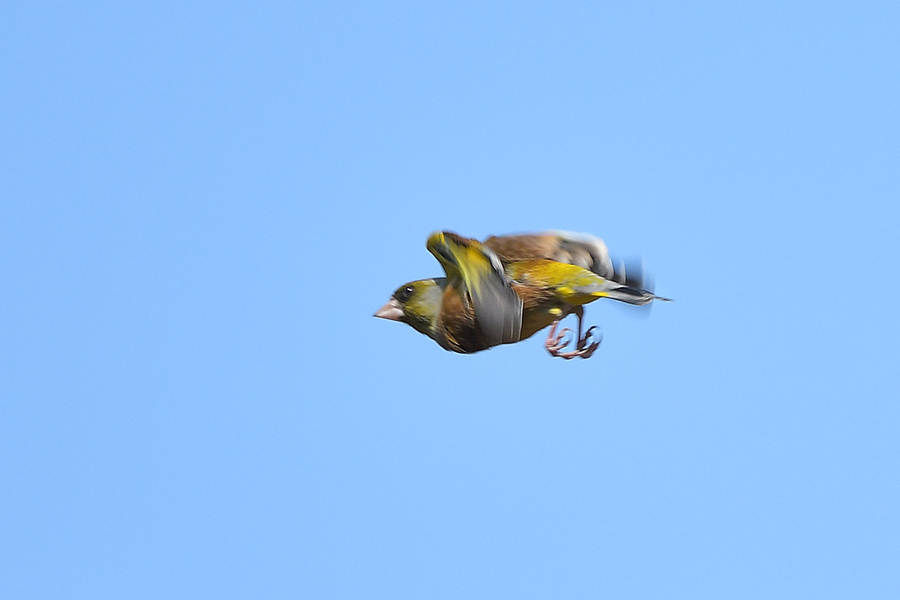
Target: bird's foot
[
  {"x": 555, "y": 342},
  {"x": 583, "y": 348}
]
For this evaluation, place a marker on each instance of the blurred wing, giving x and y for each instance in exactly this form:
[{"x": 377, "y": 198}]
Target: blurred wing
[
  {"x": 580, "y": 249},
  {"x": 498, "y": 309},
  {"x": 576, "y": 285}
]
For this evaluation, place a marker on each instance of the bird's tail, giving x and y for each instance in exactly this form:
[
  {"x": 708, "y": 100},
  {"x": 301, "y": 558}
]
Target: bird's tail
[{"x": 628, "y": 294}]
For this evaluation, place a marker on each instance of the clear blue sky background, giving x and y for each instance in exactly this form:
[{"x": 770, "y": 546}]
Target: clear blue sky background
[{"x": 201, "y": 205}]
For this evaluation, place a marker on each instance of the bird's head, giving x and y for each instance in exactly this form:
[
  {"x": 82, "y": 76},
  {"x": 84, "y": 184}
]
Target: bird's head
[{"x": 416, "y": 303}]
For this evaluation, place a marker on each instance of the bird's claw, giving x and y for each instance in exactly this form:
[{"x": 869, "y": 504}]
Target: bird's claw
[
  {"x": 583, "y": 342},
  {"x": 583, "y": 349},
  {"x": 555, "y": 343}
]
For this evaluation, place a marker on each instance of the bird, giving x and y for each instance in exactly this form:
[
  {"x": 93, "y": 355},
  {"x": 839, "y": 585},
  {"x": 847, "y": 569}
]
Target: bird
[{"x": 509, "y": 287}]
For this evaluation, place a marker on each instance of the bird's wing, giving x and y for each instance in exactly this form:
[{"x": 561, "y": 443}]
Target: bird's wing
[
  {"x": 479, "y": 272},
  {"x": 576, "y": 285},
  {"x": 581, "y": 249}
]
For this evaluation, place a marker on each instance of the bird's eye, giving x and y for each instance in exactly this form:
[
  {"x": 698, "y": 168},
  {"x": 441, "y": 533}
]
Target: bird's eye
[{"x": 404, "y": 293}]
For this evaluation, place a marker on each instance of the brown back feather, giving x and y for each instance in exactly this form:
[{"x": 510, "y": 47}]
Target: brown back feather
[{"x": 523, "y": 247}]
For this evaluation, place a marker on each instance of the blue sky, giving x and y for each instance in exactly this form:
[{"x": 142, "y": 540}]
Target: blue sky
[{"x": 201, "y": 206}]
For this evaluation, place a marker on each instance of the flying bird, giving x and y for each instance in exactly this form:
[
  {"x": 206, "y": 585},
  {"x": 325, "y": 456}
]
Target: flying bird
[{"x": 509, "y": 287}]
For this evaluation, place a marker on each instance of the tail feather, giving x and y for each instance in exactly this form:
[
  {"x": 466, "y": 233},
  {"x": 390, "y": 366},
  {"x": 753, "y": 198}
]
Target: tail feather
[
  {"x": 622, "y": 293},
  {"x": 630, "y": 295}
]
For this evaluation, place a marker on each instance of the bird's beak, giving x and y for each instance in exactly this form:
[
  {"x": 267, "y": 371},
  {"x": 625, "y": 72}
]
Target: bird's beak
[{"x": 391, "y": 311}]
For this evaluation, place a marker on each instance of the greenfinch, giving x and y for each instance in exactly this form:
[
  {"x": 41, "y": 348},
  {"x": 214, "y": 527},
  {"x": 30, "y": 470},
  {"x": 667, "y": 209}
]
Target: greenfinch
[{"x": 510, "y": 287}]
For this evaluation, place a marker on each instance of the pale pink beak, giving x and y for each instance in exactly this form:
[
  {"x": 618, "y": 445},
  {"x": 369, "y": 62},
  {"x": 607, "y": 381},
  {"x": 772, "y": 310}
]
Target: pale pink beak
[{"x": 391, "y": 311}]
